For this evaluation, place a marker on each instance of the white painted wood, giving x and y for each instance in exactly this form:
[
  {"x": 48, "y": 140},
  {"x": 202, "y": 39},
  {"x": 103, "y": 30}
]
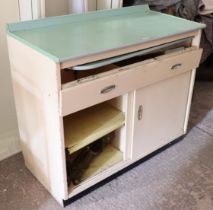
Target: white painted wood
[
  {"x": 130, "y": 126},
  {"x": 121, "y": 103},
  {"x": 79, "y": 6},
  {"x": 121, "y": 3},
  {"x": 117, "y": 4},
  {"x": 38, "y": 9},
  {"x": 195, "y": 42},
  {"x": 125, "y": 79},
  {"x": 31, "y": 9},
  {"x": 163, "y": 114},
  {"x": 82, "y": 6},
  {"x": 104, "y": 4},
  {"x": 36, "y": 82},
  {"x": 25, "y": 7},
  {"x": 42, "y": 8}
]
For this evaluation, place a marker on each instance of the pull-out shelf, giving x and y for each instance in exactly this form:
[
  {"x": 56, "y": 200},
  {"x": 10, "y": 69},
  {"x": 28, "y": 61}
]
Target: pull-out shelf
[{"x": 83, "y": 128}]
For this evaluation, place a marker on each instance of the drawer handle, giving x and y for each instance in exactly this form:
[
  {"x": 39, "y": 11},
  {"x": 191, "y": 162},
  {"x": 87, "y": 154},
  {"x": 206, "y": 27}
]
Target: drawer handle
[
  {"x": 108, "y": 89},
  {"x": 176, "y": 66}
]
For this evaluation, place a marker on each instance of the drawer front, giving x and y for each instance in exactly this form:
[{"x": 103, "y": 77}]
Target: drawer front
[{"x": 77, "y": 96}]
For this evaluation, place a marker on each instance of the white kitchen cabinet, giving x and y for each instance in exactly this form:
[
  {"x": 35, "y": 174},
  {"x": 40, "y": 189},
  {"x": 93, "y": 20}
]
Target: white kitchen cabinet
[{"x": 112, "y": 79}]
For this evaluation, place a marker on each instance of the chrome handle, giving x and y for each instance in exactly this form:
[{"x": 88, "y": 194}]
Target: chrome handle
[
  {"x": 140, "y": 112},
  {"x": 108, "y": 89},
  {"x": 176, "y": 66}
]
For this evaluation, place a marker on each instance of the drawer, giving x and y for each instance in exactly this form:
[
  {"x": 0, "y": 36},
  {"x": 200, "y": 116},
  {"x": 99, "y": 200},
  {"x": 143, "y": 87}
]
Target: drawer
[{"x": 92, "y": 90}]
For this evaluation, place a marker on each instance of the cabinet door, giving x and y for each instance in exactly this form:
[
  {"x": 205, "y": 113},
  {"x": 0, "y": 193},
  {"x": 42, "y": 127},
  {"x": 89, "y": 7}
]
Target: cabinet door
[{"x": 160, "y": 111}]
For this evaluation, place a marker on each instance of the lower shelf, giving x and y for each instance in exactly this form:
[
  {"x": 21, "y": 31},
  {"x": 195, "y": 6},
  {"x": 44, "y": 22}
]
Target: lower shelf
[
  {"x": 109, "y": 157},
  {"x": 128, "y": 167},
  {"x": 88, "y": 125}
]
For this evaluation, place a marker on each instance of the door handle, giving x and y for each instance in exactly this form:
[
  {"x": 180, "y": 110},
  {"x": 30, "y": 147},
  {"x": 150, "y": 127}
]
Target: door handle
[{"x": 140, "y": 112}]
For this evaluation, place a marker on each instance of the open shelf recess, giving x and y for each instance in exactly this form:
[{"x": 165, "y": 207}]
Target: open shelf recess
[
  {"x": 109, "y": 157},
  {"x": 87, "y": 126}
]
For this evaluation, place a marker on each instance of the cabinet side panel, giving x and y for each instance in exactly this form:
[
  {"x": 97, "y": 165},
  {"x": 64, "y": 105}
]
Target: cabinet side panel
[
  {"x": 36, "y": 81},
  {"x": 196, "y": 42}
]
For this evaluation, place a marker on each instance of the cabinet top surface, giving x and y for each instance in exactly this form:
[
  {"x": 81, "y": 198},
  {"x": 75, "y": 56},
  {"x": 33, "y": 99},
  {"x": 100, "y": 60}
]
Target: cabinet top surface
[{"x": 78, "y": 35}]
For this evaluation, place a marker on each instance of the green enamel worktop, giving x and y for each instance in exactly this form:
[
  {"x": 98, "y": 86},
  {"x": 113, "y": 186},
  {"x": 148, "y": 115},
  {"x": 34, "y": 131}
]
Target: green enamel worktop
[{"x": 73, "y": 36}]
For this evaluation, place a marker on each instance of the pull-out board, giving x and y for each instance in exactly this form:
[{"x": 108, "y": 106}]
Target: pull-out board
[{"x": 72, "y": 37}]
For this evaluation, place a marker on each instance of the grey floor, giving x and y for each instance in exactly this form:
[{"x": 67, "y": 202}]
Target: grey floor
[{"x": 180, "y": 178}]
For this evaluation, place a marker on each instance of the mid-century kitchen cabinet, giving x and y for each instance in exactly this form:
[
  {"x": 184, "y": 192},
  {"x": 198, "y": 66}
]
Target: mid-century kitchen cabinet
[{"x": 120, "y": 80}]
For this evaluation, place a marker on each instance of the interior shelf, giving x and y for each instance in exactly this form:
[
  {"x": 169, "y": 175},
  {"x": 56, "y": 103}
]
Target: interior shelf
[
  {"x": 87, "y": 126},
  {"x": 108, "y": 157}
]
